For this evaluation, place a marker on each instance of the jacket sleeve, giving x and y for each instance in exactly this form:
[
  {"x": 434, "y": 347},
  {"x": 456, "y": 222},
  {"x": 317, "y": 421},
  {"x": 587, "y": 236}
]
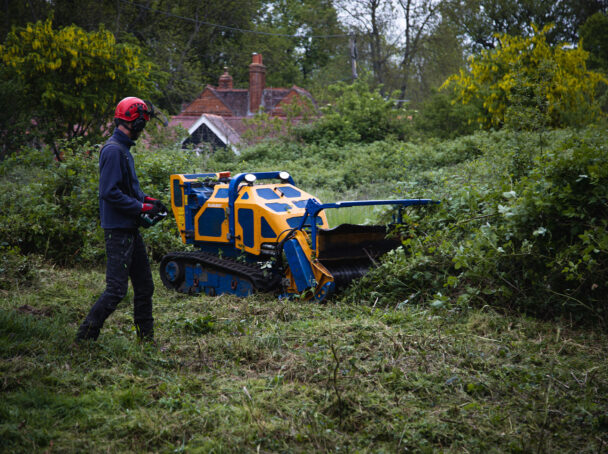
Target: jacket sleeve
[{"x": 110, "y": 179}]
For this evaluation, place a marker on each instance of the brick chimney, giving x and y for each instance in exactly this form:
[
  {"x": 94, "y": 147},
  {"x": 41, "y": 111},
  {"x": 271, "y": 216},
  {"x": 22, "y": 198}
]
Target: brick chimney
[
  {"x": 225, "y": 82},
  {"x": 257, "y": 82}
]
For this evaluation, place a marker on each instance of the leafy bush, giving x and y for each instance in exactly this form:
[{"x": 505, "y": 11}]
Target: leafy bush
[
  {"x": 15, "y": 124},
  {"x": 365, "y": 170},
  {"x": 594, "y": 38},
  {"x": 521, "y": 226},
  {"x": 357, "y": 114},
  {"x": 51, "y": 208},
  {"x": 528, "y": 74},
  {"x": 73, "y": 78},
  {"x": 516, "y": 210},
  {"x": 439, "y": 117},
  {"x": 16, "y": 269},
  {"x": 522, "y": 222}
]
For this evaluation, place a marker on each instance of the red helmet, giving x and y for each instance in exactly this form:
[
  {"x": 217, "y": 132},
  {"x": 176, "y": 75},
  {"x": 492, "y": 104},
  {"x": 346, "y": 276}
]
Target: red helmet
[{"x": 131, "y": 108}]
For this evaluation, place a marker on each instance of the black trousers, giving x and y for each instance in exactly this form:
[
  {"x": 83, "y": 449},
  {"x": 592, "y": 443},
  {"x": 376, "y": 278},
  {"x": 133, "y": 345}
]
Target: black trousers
[{"x": 126, "y": 258}]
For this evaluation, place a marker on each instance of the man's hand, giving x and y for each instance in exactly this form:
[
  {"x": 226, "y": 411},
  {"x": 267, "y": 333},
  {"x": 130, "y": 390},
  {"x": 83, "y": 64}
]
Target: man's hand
[
  {"x": 157, "y": 203},
  {"x": 162, "y": 208},
  {"x": 150, "y": 209}
]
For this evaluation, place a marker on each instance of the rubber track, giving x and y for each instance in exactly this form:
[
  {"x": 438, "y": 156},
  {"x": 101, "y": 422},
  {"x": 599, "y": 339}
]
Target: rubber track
[{"x": 250, "y": 272}]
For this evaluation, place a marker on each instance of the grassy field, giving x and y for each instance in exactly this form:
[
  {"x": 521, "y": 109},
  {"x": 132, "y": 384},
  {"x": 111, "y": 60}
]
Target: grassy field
[{"x": 262, "y": 375}]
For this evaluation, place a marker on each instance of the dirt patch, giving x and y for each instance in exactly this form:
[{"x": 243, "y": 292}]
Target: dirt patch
[{"x": 43, "y": 312}]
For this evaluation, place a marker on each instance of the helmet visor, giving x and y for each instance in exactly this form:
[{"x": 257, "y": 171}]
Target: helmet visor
[
  {"x": 155, "y": 113},
  {"x": 144, "y": 111}
]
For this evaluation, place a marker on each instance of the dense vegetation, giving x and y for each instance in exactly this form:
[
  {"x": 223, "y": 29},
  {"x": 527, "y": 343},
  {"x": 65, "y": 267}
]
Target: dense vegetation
[
  {"x": 426, "y": 353},
  {"x": 522, "y": 223},
  {"x": 72, "y": 79},
  {"x": 64, "y": 69}
]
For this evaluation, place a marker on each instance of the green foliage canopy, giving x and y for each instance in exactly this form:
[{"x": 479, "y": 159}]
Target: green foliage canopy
[
  {"x": 479, "y": 21},
  {"x": 73, "y": 79},
  {"x": 357, "y": 113},
  {"x": 594, "y": 36},
  {"x": 528, "y": 73},
  {"x": 439, "y": 117}
]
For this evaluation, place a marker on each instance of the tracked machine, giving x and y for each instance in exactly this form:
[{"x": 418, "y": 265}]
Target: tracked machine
[{"x": 258, "y": 232}]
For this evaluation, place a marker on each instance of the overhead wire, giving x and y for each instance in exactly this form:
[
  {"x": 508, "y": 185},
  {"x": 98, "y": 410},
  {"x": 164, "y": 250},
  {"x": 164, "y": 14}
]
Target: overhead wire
[{"x": 227, "y": 27}]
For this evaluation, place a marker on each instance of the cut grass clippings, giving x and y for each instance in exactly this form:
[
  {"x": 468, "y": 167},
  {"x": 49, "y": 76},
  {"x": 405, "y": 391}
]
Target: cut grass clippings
[{"x": 259, "y": 374}]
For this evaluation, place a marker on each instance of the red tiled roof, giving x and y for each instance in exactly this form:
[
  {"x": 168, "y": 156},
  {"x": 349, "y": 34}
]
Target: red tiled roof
[
  {"x": 273, "y": 96},
  {"x": 231, "y": 128},
  {"x": 186, "y": 121},
  {"x": 237, "y": 100},
  {"x": 306, "y": 93},
  {"x": 237, "y": 124}
]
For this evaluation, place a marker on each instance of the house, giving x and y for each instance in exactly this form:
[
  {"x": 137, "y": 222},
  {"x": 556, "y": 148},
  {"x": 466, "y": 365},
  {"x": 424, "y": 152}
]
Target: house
[{"x": 217, "y": 117}]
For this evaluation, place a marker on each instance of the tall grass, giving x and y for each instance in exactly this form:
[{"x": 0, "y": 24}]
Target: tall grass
[{"x": 260, "y": 375}]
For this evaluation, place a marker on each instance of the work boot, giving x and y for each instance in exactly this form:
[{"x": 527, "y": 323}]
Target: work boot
[
  {"x": 86, "y": 331},
  {"x": 145, "y": 332}
]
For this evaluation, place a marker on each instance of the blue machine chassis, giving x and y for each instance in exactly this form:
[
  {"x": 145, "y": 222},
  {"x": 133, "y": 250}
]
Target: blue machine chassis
[{"x": 200, "y": 272}]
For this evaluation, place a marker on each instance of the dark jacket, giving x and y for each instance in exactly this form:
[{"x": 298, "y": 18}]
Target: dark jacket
[{"x": 120, "y": 198}]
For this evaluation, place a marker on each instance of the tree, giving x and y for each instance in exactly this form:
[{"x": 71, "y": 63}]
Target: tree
[
  {"x": 73, "y": 79},
  {"x": 316, "y": 37},
  {"x": 17, "y": 13},
  {"x": 440, "y": 55},
  {"x": 191, "y": 50},
  {"x": 528, "y": 73},
  {"x": 359, "y": 113},
  {"x": 14, "y": 122},
  {"x": 594, "y": 36},
  {"x": 480, "y": 20},
  {"x": 391, "y": 37},
  {"x": 192, "y": 41},
  {"x": 419, "y": 17},
  {"x": 572, "y": 14},
  {"x": 373, "y": 22}
]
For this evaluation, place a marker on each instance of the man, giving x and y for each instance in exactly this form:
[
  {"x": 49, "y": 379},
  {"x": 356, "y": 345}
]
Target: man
[{"x": 121, "y": 202}]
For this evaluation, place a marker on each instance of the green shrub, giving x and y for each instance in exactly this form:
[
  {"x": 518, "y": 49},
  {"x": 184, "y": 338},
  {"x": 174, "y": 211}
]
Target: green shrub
[
  {"x": 522, "y": 223},
  {"x": 15, "y": 124},
  {"x": 16, "y": 269},
  {"x": 524, "y": 232},
  {"x": 526, "y": 78},
  {"x": 357, "y": 114},
  {"x": 439, "y": 117},
  {"x": 52, "y": 209}
]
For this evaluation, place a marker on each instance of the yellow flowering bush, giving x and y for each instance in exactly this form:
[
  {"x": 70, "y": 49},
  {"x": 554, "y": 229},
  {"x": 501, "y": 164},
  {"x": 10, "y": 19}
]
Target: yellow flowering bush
[
  {"x": 527, "y": 74},
  {"x": 73, "y": 78}
]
